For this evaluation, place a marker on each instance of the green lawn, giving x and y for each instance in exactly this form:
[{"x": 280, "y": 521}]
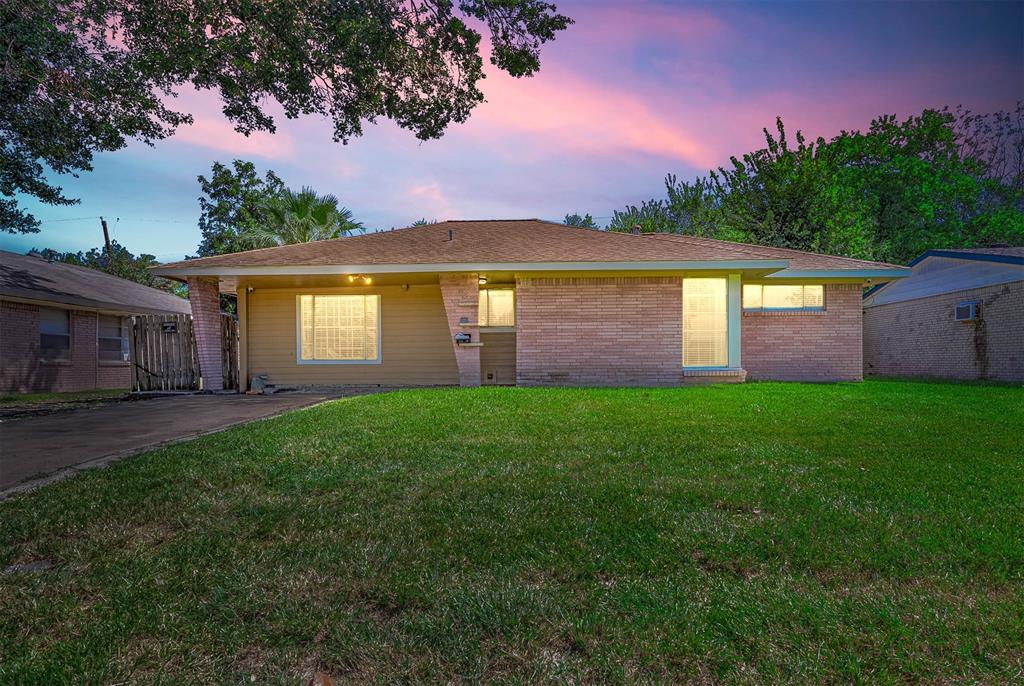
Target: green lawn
[{"x": 761, "y": 533}]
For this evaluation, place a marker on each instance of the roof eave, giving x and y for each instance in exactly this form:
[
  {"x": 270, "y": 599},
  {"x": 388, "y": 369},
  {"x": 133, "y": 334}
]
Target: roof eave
[
  {"x": 888, "y": 273},
  {"x": 765, "y": 266}
]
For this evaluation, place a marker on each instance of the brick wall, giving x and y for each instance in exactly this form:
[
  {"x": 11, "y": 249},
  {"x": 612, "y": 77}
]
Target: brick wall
[
  {"x": 920, "y": 338},
  {"x": 22, "y": 369},
  {"x": 599, "y": 331},
  {"x": 204, "y": 296},
  {"x": 628, "y": 331},
  {"x": 460, "y": 293},
  {"x": 807, "y": 346}
]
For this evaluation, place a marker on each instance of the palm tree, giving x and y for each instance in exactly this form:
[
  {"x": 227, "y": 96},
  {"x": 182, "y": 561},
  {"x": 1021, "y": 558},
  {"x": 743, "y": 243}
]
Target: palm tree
[{"x": 301, "y": 217}]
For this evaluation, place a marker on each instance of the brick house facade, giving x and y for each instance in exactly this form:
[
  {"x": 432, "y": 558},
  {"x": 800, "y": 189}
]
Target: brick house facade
[
  {"x": 86, "y": 304},
  {"x": 536, "y": 303},
  {"x": 24, "y": 369},
  {"x": 911, "y": 328},
  {"x": 807, "y": 346},
  {"x": 920, "y": 338}
]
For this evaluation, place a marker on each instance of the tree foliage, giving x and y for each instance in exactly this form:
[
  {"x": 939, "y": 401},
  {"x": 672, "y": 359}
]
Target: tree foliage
[
  {"x": 234, "y": 201},
  {"x": 84, "y": 77},
  {"x": 585, "y": 221},
  {"x": 943, "y": 179},
  {"x": 122, "y": 264},
  {"x": 302, "y": 217}
]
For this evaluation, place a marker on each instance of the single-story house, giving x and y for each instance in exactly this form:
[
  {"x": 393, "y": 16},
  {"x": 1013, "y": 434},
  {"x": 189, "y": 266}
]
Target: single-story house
[
  {"x": 531, "y": 302},
  {"x": 960, "y": 315},
  {"x": 65, "y": 328}
]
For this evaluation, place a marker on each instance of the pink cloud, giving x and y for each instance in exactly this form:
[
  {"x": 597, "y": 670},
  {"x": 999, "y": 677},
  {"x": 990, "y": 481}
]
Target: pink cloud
[
  {"x": 575, "y": 115},
  {"x": 211, "y": 129},
  {"x": 430, "y": 201},
  {"x": 643, "y": 23}
]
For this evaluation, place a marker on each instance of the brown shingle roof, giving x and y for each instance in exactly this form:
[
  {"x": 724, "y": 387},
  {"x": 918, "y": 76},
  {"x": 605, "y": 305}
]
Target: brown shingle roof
[
  {"x": 32, "y": 278},
  {"x": 798, "y": 259},
  {"x": 509, "y": 241}
]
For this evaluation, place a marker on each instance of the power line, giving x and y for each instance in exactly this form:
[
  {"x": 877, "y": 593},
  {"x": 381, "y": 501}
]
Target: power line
[{"x": 70, "y": 219}]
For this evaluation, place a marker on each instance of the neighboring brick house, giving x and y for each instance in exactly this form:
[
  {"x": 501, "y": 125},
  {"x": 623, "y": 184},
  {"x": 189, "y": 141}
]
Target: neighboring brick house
[
  {"x": 959, "y": 316},
  {"x": 530, "y": 302},
  {"x": 65, "y": 328}
]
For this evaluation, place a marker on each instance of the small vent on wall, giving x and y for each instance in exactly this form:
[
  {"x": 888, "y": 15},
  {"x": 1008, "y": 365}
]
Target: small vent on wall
[{"x": 965, "y": 311}]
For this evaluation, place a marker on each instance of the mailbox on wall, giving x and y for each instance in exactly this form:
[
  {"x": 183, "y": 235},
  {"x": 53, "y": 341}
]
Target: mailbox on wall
[{"x": 461, "y": 338}]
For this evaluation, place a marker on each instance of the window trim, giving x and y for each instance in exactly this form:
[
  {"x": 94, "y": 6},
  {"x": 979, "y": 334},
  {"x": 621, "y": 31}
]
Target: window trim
[
  {"x": 486, "y": 328},
  {"x": 728, "y": 330},
  {"x": 126, "y": 338},
  {"x": 824, "y": 299},
  {"x": 298, "y": 331},
  {"x": 70, "y": 336}
]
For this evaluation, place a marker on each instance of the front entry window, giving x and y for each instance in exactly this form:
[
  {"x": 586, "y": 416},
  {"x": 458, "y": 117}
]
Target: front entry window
[{"x": 705, "y": 322}]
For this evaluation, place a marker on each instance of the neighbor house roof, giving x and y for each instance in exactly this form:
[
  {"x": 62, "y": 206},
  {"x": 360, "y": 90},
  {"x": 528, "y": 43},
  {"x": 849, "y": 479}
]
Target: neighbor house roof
[
  {"x": 30, "y": 278},
  {"x": 1008, "y": 255},
  {"x": 937, "y": 272},
  {"x": 521, "y": 244}
]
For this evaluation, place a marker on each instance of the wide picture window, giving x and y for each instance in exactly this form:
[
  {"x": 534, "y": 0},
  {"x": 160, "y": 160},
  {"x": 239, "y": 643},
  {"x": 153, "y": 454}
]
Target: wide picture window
[{"x": 339, "y": 328}]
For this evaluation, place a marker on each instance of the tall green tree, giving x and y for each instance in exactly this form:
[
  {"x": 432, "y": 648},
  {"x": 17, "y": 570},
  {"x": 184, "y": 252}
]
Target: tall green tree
[
  {"x": 121, "y": 262},
  {"x": 585, "y": 221},
  {"x": 942, "y": 179},
  {"x": 233, "y": 201},
  {"x": 652, "y": 216},
  {"x": 302, "y": 217},
  {"x": 85, "y": 77}
]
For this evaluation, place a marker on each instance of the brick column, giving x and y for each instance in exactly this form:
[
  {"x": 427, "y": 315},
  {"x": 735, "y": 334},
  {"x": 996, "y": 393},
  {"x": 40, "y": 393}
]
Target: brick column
[
  {"x": 204, "y": 296},
  {"x": 460, "y": 293}
]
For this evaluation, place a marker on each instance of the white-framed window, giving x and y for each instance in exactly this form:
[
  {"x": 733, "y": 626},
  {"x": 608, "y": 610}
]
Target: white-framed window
[
  {"x": 112, "y": 338},
  {"x": 497, "y": 307},
  {"x": 338, "y": 329},
  {"x": 54, "y": 334},
  {"x": 705, "y": 322},
  {"x": 771, "y": 297}
]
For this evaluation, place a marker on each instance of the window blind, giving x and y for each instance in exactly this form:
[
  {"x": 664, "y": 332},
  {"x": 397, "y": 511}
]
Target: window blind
[
  {"x": 705, "y": 323},
  {"x": 497, "y": 307},
  {"x": 783, "y": 297},
  {"x": 338, "y": 327},
  {"x": 54, "y": 333},
  {"x": 113, "y": 338}
]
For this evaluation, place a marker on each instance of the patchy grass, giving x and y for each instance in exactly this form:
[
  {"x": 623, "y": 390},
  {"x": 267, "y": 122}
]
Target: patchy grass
[
  {"x": 764, "y": 533},
  {"x": 34, "y": 400}
]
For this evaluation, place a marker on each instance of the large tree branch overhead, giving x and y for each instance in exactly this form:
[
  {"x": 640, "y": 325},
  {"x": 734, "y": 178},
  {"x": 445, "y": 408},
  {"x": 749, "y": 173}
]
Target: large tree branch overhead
[{"x": 79, "y": 77}]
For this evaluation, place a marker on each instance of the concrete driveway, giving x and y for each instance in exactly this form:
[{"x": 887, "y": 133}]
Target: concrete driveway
[{"x": 40, "y": 449}]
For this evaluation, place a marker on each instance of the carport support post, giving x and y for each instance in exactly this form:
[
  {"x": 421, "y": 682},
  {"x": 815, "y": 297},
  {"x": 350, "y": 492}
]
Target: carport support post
[
  {"x": 460, "y": 292},
  {"x": 204, "y": 295}
]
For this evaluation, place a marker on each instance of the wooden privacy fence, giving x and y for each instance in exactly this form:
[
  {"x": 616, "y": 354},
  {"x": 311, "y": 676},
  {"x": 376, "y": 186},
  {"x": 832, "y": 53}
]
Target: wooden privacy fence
[
  {"x": 229, "y": 350},
  {"x": 163, "y": 353}
]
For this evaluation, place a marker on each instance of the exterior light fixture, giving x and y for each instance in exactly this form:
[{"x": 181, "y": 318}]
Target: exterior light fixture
[
  {"x": 483, "y": 280},
  {"x": 367, "y": 280},
  {"x": 351, "y": 278}
]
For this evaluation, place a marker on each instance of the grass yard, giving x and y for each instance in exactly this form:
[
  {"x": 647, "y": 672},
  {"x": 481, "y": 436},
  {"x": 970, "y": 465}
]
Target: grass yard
[{"x": 763, "y": 533}]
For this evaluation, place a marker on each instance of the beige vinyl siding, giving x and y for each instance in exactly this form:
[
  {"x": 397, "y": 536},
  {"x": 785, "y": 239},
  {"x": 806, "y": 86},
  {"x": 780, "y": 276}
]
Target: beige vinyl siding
[
  {"x": 416, "y": 347},
  {"x": 498, "y": 356}
]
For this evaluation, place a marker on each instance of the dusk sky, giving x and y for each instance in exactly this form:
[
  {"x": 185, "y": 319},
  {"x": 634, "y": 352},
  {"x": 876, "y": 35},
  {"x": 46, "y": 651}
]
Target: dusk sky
[{"x": 632, "y": 91}]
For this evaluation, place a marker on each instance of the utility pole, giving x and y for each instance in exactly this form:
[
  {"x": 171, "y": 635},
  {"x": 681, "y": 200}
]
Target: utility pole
[{"x": 106, "y": 242}]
